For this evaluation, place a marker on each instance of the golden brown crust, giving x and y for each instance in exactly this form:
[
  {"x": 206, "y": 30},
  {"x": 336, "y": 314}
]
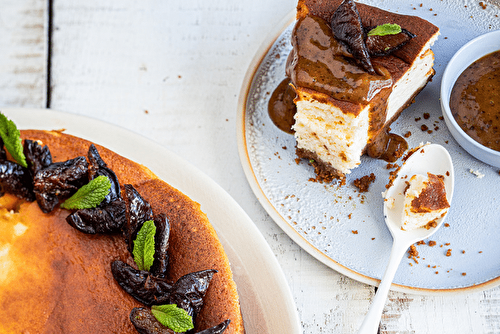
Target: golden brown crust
[
  {"x": 432, "y": 197},
  {"x": 194, "y": 244}
]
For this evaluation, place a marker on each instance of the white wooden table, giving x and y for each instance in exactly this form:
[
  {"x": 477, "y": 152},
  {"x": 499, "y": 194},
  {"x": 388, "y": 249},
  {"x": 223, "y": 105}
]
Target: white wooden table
[{"x": 172, "y": 71}]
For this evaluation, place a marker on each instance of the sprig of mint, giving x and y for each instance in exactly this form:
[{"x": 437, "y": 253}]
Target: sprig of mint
[
  {"x": 90, "y": 195},
  {"x": 12, "y": 140},
  {"x": 385, "y": 29},
  {"x": 173, "y": 317},
  {"x": 144, "y": 246}
]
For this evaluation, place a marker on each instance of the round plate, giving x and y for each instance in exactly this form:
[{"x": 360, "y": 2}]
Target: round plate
[
  {"x": 266, "y": 302},
  {"x": 345, "y": 229}
]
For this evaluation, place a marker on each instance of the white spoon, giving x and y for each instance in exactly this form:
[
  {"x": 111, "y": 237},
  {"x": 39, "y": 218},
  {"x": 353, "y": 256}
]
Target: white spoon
[{"x": 430, "y": 158}]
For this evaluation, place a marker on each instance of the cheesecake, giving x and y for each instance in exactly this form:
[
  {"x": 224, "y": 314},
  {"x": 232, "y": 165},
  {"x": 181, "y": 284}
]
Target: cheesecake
[
  {"x": 54, "y": 278},
  {"x": 425, "y": 202},
  {"x": 346, "y": 99}
]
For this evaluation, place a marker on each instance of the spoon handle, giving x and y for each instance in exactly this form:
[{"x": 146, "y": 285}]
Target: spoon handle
[{"x": 372, "y": 319}]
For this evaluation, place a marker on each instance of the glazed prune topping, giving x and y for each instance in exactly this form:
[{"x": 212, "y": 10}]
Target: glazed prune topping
[
  {"x": 217, "y": 329},
  {"x": 189, "y": 290},
  {"x": 37, "y": 157},
  {"x": 98, "y": 167},
  {"x": 107, "y": 217},
  {"x": 3, "y": 153},
  {"x": 141, "y": 285},
  {"x": 145, "y": 323},
  {"x": 15, "y": 179},
  {"x": 347, "y": 27},
  {"x": 138, "y": 212},
  {"x": 59, "y": 180},
  {"x": 160, "y": 263},
  {"x": 102, "y": 219},
  {"x": 187, "y": 293},
  {"x": 384, "y": 45}
]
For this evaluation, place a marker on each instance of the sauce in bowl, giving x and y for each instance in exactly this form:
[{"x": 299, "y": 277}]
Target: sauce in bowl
[{"x": 475, "y": 100}]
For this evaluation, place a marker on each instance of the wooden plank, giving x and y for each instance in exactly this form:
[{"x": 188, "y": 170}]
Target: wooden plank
[
  {"x": 23, "y": 56},
  {"x": 172, "y": 71}
]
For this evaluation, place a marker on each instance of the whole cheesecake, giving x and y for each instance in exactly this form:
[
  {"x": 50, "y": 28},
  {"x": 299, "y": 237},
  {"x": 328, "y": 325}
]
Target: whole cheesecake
[{"x": 56, "y": 279}]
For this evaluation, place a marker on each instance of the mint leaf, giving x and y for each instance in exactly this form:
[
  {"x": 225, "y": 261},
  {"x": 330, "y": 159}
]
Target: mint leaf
[
  {"x": 385, "y": 29},
  {"x": 12, "y": 140},
  {"x": 144, "y": 246},
  {"x": 90, "y": 195},
  {"x": 173, "y": 317}
]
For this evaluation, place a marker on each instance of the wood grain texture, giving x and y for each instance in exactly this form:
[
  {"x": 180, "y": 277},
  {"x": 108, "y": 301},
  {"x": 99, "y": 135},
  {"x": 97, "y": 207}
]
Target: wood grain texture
[
  {"x": 172, "y": 72},
  {"x": 23, "y": 56}
]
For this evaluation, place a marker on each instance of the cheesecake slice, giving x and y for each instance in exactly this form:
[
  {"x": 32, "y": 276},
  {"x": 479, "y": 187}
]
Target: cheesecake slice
[
  {"x": 343, "y": 109},
  {"x": 425, "y": 201}
]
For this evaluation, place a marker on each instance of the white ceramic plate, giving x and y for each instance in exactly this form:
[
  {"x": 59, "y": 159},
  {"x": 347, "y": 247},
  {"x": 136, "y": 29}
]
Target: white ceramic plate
[
  {"x": 321, "y": 218},
  {"x": 266, "y": 301}
]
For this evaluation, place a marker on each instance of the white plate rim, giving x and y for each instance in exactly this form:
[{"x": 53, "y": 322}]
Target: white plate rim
[
  {"x": 276, "y": 216},
  {"x": 266, "y": 300}
]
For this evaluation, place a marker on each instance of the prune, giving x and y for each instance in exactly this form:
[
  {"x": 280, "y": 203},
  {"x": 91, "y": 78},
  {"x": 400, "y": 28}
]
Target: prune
[
  {"x": 141, "y": 285},
  {"x": 138, "y": 212},
  {"x": 3, "y": 153},
  {"x": 189, "y": 290},
  {"x": 160, "y": 263},
  {"x": 217, "y": 329},
  {"x": 187, "y": 293},
  {"x": 98, "y": 167},
  {"x": 102, "y": 219},
  {"x": 109, "y": 216},
  {"x": 347, "y": 27},
  {"x": 15, "y": 179},
  {"x": 37, "y": 157},
  {"x": 59, "y": 180},
  {"x": 145, "y": 323},
  {"x": 384, "y": 45}
]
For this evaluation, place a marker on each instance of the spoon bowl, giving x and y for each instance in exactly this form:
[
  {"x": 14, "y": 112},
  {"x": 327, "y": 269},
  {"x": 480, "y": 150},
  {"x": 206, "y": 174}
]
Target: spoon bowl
[{"x": 430, "y": 158}]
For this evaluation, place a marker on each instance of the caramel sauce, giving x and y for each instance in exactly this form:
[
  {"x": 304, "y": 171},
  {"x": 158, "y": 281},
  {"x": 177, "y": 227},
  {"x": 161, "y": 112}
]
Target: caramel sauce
[
  {"x": 281, "y": 107},
  {"x": 387, "y": 146},
  {"x": 320, "y": 62},
  {"x": 475, "y": 100}
]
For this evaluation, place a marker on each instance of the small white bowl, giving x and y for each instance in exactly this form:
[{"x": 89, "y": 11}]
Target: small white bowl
[{"x": 470, "y": 52}]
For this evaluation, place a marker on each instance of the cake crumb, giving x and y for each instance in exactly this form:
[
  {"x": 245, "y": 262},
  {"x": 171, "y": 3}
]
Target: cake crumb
[
  {"x": 431, "y": 243},
  {"x": 448, "y": 252},
  {"x": 364, "y": 182},
  {"x": 354, "y": 231},
  {"x": 412, "y": 251},
  {"x": 424, "y": 127},
  {"x": 463, "y": 274},
  {"x": 478, "y": 174}
]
